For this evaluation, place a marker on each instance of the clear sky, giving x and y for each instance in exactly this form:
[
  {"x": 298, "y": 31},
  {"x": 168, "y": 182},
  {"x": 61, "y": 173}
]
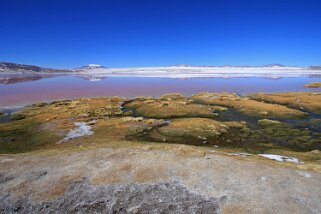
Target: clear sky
[{"x": 132, "y": 33}]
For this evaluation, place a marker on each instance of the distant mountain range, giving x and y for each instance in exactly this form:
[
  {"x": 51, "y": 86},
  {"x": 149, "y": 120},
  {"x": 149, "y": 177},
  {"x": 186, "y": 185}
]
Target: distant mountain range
[
  {"x": 315, "y": 67},
  {"x": 22, "y": 68},
  {"x": 273, "y": 65},
  {"x": 15, "y": 67},
  {"x": 11, "y": 73},
  {"x": 227, "y": 66},
  {"x": 6, "y": 66}
]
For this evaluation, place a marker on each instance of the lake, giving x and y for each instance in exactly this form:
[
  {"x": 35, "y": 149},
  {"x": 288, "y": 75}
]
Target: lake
[{"x": 70, "y": 87}]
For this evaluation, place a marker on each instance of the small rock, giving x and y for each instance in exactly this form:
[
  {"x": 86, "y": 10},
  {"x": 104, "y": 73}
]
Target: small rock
[
  {"x": 264, "y": 122},
  {"x": 265, "y": 178},
  {"x": 304, "y": 174},
  {"x": 18, "y": 116},
  {"x": 263, "y": 113},
  {"x": 203, "y": 138},
  {"x": 239, "y": 154},
  {"x": 7, "y": 160},
  {"x": 39, "y": 105},
  {"x": 92, "y": 122}
]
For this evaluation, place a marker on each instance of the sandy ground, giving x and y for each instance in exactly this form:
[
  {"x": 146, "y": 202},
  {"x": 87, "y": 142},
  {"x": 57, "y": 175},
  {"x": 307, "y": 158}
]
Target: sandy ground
[{"x": 181, "y": 179}]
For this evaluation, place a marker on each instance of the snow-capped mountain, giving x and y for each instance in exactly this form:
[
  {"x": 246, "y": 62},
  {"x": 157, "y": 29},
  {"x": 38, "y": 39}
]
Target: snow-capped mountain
[{"x": 91, "y": 66}]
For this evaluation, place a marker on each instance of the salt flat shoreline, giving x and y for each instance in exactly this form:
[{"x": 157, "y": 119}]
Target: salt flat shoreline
[{"x": 183, "y": 72}]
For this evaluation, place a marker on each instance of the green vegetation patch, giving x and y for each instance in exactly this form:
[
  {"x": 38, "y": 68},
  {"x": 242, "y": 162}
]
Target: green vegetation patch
[
  {"x": 248, "y": 106},
  {"x": 306, "y": 101},
  {"x": 166, "y": 107},
  {"x": 192, "y": 131},
  {"x": 279, "y": 134},
  {"x": 24, "y": 137}
]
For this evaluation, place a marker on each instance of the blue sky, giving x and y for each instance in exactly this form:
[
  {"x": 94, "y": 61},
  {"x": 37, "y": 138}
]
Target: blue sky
[{"x": 132, "y": 33}]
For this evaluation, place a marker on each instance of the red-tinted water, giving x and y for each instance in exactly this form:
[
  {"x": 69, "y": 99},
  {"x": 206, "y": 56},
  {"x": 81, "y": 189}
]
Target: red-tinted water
[{"x": 68, "y": 87}]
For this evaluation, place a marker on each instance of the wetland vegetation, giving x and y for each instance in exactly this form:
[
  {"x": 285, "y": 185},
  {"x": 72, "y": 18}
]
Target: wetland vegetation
[{"x": 259, "y": 123}]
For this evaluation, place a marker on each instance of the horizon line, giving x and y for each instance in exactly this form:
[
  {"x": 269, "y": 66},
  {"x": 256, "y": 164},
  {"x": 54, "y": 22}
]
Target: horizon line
[{"x": 173, "y": 65}]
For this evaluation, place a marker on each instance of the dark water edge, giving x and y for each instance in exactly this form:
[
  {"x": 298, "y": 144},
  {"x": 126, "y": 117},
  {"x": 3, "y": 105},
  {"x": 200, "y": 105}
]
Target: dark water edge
[
  {"x": 300, "y": 135},
  {"x": 8, "y": 112}
]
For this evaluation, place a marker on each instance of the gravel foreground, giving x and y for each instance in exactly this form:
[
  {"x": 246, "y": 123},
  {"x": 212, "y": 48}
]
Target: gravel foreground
[
  {"x": 181, "y": 179},
  {"x": 81, "y": 197}
]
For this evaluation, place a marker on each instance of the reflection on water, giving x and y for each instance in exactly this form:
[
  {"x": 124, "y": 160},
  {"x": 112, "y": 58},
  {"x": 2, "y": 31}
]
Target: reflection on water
[{"x": 68, "y": 87}]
